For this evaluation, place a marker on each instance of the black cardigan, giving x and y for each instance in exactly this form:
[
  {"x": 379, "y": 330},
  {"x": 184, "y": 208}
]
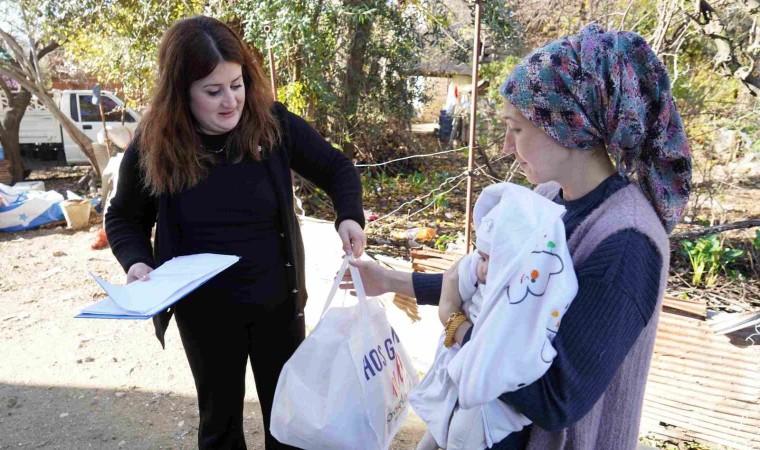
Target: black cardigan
[{"x": 133, "y": 211}]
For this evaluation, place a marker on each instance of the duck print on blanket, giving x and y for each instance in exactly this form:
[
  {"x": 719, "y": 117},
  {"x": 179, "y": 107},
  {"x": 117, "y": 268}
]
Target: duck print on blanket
[
  {"x": 552, "y": 327},
  {"x": 534, "y": 281}
]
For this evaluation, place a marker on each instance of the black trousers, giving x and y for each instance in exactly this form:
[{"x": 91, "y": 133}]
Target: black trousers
[{"x": 219, "y": 338}]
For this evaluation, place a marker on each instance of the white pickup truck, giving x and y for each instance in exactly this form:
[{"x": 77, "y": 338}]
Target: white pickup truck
[{"x": 41, "y": 136}]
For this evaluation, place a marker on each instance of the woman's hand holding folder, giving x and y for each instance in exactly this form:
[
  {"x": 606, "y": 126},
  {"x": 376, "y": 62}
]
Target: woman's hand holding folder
[{"x": 138, "y": 271}]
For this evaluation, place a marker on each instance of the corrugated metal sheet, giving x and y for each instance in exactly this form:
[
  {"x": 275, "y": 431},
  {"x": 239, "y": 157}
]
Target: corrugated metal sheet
[{"x": 703, "y": 386}]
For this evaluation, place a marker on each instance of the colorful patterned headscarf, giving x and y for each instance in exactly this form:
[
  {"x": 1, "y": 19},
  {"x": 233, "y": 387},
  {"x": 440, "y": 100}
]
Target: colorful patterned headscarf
[{"x": 609, "y": 88}]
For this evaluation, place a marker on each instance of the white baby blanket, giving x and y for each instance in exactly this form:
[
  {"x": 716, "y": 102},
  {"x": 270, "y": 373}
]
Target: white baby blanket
[{"x": 530, "y": 285}]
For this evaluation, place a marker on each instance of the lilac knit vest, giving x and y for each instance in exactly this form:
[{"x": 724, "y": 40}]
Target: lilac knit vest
[{"x": 613, "y": 422}]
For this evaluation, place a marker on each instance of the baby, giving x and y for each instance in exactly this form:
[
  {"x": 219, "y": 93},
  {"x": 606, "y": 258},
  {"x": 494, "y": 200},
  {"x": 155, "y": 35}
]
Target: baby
[
  {"x": 473, "y": 271},
  {"x": 515, "y": 288}
]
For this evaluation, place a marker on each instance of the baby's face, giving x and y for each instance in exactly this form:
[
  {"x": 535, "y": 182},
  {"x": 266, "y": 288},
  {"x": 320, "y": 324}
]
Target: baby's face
[{"x": 482, "y": 269}]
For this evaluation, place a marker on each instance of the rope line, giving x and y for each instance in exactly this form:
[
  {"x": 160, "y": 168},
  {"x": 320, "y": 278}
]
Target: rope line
[
  {"x": 410, "y": 157},
  {"x": 476, "y": 171},
  {"x": 421, "y": 209},
  {"x": 445, "y": 182}
]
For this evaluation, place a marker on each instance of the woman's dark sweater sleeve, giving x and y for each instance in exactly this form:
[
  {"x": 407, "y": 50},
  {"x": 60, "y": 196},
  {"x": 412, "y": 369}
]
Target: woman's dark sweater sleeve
[
  {"x": 131, "y": 215},
  {"x": 314, "y": 158},
  {"x": 617, "y": 294},
  {"x": 427, "y": 287}
]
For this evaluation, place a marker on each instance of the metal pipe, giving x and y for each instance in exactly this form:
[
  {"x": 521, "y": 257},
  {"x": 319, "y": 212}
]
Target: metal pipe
[{"x": 473, "y": 116}]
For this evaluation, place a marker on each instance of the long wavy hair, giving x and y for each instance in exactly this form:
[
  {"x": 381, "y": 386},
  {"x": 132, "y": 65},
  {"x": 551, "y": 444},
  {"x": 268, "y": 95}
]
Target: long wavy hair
[{"x": 171, "y": 156}]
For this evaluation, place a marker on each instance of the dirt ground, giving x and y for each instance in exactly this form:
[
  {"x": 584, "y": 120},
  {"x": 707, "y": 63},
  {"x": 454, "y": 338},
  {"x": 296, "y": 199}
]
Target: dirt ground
[{"x": 70, "y": 383}]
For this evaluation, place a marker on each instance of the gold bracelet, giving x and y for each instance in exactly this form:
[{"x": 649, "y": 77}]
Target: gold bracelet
[
  {"x": 452, "y": 316},
  {"x": 455, "y": 319}
]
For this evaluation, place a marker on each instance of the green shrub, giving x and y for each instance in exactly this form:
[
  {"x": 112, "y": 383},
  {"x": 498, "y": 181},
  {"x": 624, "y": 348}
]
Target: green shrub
[{"x": 708, "y": 258}]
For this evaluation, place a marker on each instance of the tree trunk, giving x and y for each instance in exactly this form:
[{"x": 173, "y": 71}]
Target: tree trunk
[
  {"x": 359, "y": 33},
  {"x": 9, "y": 132},
  {"x": 74, "y": 133},
  {"x": 70, "y": 128},
  {"x": 29, "y": 79}
]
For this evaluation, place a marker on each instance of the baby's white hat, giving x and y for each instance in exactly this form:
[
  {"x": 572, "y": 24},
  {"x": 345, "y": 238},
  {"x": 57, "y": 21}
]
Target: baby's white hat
[
  {"x": 485, "y": 213},
  {"x": 484, "y": 236}
]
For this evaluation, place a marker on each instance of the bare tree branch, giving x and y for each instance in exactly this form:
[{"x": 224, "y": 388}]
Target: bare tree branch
[
  {"x": 84, "y": 142},
  {"x": 711, "y": 25},
  {"x": 752, "y": 7},
  {"x": 20, "y": 77},
  {"x": 664, "y": 18},
  {"x": 443, "y": 29},
  {"x": 7, "y": 89},
  {"x": 18, "y": 51},
  {"x": 48, "y": 49},
  {"x": 625, "y": 15},
  {"x": 33, "y": 58},
  {"x": 716, "y": 229}
]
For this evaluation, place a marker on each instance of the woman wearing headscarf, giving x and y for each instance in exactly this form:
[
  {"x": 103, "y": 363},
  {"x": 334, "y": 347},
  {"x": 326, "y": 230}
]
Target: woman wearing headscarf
[{"x": 592, "y": 122}]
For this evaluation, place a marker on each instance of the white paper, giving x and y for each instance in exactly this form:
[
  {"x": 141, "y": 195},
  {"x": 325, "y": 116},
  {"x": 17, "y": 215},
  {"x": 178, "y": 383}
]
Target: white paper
[{"x": 166, "y": 285}]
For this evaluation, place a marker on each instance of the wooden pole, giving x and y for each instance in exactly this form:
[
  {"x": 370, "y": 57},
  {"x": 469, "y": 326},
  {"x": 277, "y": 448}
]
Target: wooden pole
[
  {"x": 473, "y": 116},
  {"x": 272, "y": 77},
  {"x": 105, "y": 130}
]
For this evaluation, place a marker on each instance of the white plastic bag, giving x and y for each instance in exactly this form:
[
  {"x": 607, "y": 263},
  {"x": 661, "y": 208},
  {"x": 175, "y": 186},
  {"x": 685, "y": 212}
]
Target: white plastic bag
[{"x": 347, "y": 385}]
